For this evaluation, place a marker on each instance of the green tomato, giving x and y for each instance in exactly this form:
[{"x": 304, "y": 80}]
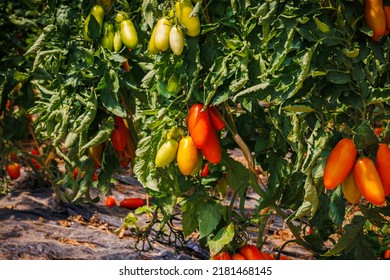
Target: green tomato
[
  {"x": 128, "y": 34},
  {"x": 107, "y": 41},
  {"x": 117, "y": 42},
  {"x": 166, "y": 153},
  {"x": 120, "y": 16}
]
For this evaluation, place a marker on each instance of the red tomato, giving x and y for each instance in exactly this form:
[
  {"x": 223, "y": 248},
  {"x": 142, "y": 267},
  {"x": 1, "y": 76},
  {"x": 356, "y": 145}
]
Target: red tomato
[
  {"x": 132, "y": 203},
  {"x": 118, "y": 138},
  {"x": 33, "y": 161},
  {"x": 238, "y": 257},
  {"x": 386, "y": 9},
  {"x": 110, "y": 201},
  {"x": 222, "y": 256},
  {"x": 75, "y": 172},
  {"x": 212, "y": 149},
  {"x": 368, "y": 181},
  {"x": 251, "y": 252},
  {"x": 205, "y": 171},
  {"x": 383, "y": 166},
  {"x": 199, "y": 125},
  {"x": 340, "y": 162},
  {"x": 216, "y": 120},
  {"x": 13, "y": 170},
  {"x": 386, "y": 255},
  {"x": 378, "y": 130}
]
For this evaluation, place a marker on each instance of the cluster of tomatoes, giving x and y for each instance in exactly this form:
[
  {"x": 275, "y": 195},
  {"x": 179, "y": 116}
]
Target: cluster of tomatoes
[
  {"x": 168, "y": 33},
  {"x": 123, "y": 142},
  {"x": 247, "y": 252},
  {"x": 377, "y": 17},
  {"x": 112, "y": 36},
  {"x": 203, "y": 141},
  {"x": 14, "y": 168},
  {"x": 359, "y": 176}
]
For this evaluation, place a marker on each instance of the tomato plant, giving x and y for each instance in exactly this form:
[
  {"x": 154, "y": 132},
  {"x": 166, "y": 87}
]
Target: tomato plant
[{"x": 278, "y": 73}]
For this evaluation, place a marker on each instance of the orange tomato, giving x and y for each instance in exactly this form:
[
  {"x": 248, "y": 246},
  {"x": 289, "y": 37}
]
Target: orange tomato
[
  {"x": 187, "y": 155},
  {"x": 340, "y": 162},
  {"x": 368, "y": 181},
  {"x": 383, "y": 166},
  {"x": 199, "y": 125},
  {"x": 251, "y": 252},
  {"x": 375, "y": 18}
]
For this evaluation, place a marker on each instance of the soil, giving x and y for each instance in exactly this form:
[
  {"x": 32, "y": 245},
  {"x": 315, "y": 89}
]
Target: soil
[{"x": 36, "y": 225}]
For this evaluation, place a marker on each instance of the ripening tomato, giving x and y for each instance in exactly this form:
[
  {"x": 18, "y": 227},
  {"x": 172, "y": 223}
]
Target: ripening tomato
[
  {"x": 222, "y": 256},
  {"x": 251, "y": 252},
  {"x": 375, "y": 18},
  {"x": 187, "y": 156},
  {"x": 166, "y": 153},
  {"x": 340, "y": 162},
  {"x": 13, "y": 170},
  {"x": 368, "y": 181},
  {"x": 132, "y": 203},
  {"x": 126, "y": 66},
  {"x": 161, "y": 37},
  {"x": 199, "y": 125},
  {"x": 216, "y": 120},
  {"x": 383, "y": 166},
  {"x": 176, "y": 40},
  {"x": 118, "y": 138},
  {"x": 95, "y": 152},
  {"x": 212, "y": 149},
  {"x": 128, "y": 33},
  {"x": 183, "y": 11},
  {"x": 110, "y": 201},
  {"x": 350, "y": 189},
  {"x": 238, "y": 256}
]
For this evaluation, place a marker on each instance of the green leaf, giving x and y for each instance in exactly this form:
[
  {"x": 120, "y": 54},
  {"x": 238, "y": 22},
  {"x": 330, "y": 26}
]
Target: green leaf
[
  {"x": 352, "y": 232},
  {"x": 94, "y": 28},
  {"x": 338, "y": 77},
  {"x": 190, "y": 216},
  {"x": 365, "y": 137},
  {"x": 209, "y": 217},
  {"x": 103, "y": 134},
  {"x": 337, "y": 206},
  {"x": 221, "y": 239},
  {"x": 108, "y": 88}
]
